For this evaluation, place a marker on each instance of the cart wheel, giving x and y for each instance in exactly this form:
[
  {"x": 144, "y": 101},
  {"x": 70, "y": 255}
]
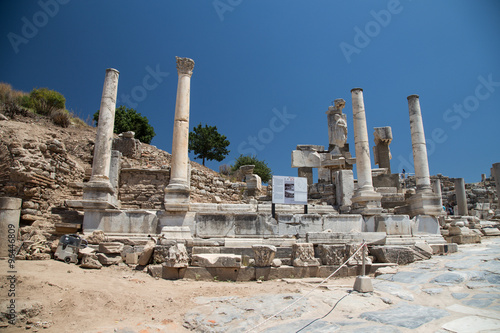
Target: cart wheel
[{"x": 67, "y": 260}]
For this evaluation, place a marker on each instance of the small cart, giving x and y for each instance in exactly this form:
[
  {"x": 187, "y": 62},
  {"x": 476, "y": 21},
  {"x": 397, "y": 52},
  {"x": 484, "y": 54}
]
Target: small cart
[{"x": 68, "y": 248}]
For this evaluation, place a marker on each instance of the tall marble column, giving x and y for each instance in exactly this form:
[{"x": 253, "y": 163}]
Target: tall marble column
[
  {"x": 99, "y": 192},
  {"x": 461, "y": 196},
  {"x": 365, "y": 200},
  {"x": 177, "y": 192},
  {"x": 423, "y": 202}
]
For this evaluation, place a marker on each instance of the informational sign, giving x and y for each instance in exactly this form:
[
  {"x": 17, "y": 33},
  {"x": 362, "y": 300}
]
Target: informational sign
[{"x": 289, "y": 190}]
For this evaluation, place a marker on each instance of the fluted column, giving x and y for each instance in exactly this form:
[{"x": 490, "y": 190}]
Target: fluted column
[
  {"x": 420, "y": 161},
  {"x": 104, "y": 137},
  {"x": 365, "y": 199},
  {"x": 178, "y": 189}
]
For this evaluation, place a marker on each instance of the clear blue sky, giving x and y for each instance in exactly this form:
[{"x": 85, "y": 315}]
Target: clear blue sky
[{"x": 257, "y": 59}]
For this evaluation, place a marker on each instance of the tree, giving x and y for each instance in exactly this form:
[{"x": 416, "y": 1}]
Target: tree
[
  {"x": 208, "y": 144},
  {"x": 260, "y": 169},
  {"x": 128, "y": 119}
]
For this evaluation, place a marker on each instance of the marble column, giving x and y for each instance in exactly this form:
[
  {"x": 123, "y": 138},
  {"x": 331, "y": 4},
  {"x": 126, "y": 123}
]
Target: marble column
[
  {"x": 420, "y": 161},
  {"x": 10, "y": 213},
  {"x": 365, "y": 200},
  {"x": 177, "y": 191},
  {"x": 436, "y": 188},
  {"x": 495, "y": 172},
  {"x": 424, "y": 201},
  {"x": 461, "y": 196},
  {"x": 382, "y": 152},
  {"x": 99, "y": 192}
]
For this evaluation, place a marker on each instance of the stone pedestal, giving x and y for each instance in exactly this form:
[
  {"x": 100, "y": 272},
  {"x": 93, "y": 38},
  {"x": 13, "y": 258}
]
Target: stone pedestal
[
  {"x": 461, "y": 196},
  {"x": 381, "y": 151},
  {"x": 99, "y": 193},
  {"x": 306, "y": 173},
  {"x": 344, "y": 187},
  {"x": 365, "y": 200},
  {"x": 177, "y": 191},
  {"x": 10, "y": 212},
  {"x": 423, "y": 202}
]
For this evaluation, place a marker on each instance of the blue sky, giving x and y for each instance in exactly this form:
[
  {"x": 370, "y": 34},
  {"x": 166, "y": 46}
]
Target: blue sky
[{"x": 284, "y": 60}]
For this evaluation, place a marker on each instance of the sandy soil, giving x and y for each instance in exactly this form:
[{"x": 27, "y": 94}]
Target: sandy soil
[{"x": 78, "y": 300}]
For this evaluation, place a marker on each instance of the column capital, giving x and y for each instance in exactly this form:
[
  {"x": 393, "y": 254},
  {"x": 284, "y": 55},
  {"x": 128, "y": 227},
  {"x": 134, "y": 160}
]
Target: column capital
[
  {"x": 112, "y": 70},
  {"x": 184, "y": 66},
  {"x": 412, "y": 97},
  {"x": 356, "y": 89}
]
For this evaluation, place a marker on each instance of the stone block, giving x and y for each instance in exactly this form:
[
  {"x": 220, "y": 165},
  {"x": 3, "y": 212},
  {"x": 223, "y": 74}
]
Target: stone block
[
  {"x": 177, "y": 256},
  {"x": 303, "y": 255},
  {"x": 216, "y": 260},
  {"x": 393, "y": 254},
  {"x": 132, "y": 258},
  {"x": 306, "y": 159},
  {"x": 427, "y": 224},
  {"x": 378, "y": 238},
  {"x": 173, "y": 273},
  {"x": 331, "y": 254},
  {"x": 176, "y": 232},
  {"x": 155, "y": 271},
  {"x": 111, "y": 247},
  {"x": 109, "y": 259},
  {"x": 205, "y": 249},
  {"x": 390, "y": 224},
  {"x": 210, "y": 225},
  {"x": 343, "y": 223},
  {"x": 146, "y": 253}
]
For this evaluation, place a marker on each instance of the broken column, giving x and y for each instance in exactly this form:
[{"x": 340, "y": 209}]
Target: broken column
[
  {"x": 423, "y": 202},
  {"x": 98, "y": 192},
  {"x": 461, "y": 196},
  {"x": 10, "y": 212},
  {"x": 436, "y": 188},
  {"x": 365, "y": 200},
  {"x": 381, "y": 151},
  {"x": 177, "y": 191}
]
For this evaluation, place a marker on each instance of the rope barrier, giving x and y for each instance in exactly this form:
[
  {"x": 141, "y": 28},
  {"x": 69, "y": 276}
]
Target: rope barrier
[{"x": 303, "y": 296}]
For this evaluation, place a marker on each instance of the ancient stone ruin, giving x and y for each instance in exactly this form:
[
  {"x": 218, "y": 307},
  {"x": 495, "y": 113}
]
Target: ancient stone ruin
[{"x": 182, "y": 222}]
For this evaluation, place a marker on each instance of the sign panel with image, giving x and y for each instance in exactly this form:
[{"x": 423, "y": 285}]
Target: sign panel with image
[{"x": 289, "y": 190}]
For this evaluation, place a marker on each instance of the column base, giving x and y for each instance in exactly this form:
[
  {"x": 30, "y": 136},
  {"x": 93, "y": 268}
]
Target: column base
[
  {"x": 366, "y": 202},
  {"x": 177, "y": 197},
  {"x": 99, "y": 195},
  {"x": 423, "y": 203}
]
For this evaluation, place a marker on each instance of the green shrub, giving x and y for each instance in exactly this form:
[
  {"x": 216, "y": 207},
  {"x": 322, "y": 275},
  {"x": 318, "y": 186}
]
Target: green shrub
[
  {"x": 61, "y": 117},
  {"x": 45, "y": 101},
  {"x": 260, "y": 169}
]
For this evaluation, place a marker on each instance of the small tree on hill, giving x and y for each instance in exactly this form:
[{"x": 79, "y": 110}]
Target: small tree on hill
[
  {"x": 260, "y": 169},
  {"x": 45, "y": 101},
  {"x": 128, "y": 119},
  {"x": 208, "y": 144}
]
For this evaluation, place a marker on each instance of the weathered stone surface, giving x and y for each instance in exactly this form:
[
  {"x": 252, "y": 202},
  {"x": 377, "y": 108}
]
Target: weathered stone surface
[
  {"x": 303, "y": 255},
  {"x": 155, "y": 270},
  {"x": 216, "y": 260},
  {"x": 160, "y": 253},
  {"x": 393, "y": 254},
  {"x": 109, "y": 259},
  {"x": 132, "y": 258},
  {"x": 40, "y": 256},
  {"x": 332, "y": 254},
  {"x": 357, "y": 259},
  {"x": 405, "y": 315},
  {"x": 263, "y": 255},
  {"x": 147, "y": 253},
  {"x": 96, "y": 237},
  {"x": 90, "y": 261},
  {"x": 386, "y": 270},
  {"x": 111, "y": 247},
  {"x": 448, "y": 279},
  {"x": 177, "y": 256}
]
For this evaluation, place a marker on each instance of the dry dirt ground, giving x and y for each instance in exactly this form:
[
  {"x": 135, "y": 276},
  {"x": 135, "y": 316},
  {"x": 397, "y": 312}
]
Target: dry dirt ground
[{"x": 71, "y": 299}]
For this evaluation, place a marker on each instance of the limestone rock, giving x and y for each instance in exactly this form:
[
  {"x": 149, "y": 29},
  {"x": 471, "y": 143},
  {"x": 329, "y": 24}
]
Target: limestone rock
[
  {"x": 97, "y": 237},
  {"x": 303, "y": 255},
  {"x": 386, "y": 270},
  {"x": 40, "y": 256},
  {"x": 90, "y": 261},
  {"x": 147, "y": 253},
  {"x": 264, "y": 255},
  {"x": 160, "y": 253},
  {"x": 216, "y": 260},
  {"x": 276, "y": 263},
  {"x": 155, "y": 271},
  {"x": 111, "y": 247}
]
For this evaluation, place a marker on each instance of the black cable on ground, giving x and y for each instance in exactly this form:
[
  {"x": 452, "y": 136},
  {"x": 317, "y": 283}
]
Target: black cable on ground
[{"x": 315, "y": 320}]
